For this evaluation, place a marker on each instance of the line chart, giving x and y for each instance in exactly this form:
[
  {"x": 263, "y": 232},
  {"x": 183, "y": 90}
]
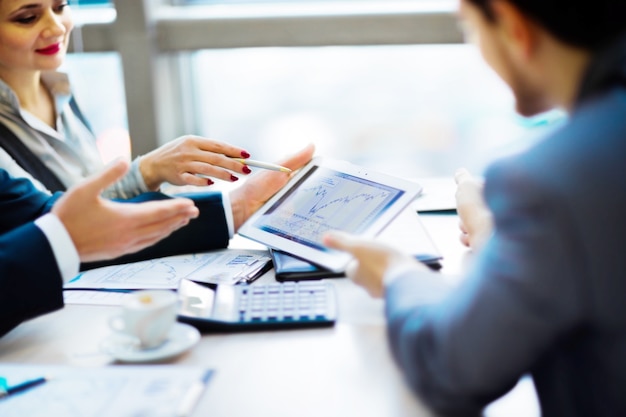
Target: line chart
[{"x": 328, "y": 201}]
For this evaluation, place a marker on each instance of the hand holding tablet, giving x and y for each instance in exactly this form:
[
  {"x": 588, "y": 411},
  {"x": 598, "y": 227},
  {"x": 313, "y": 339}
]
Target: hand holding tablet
[{"x": 327, "y": 195}]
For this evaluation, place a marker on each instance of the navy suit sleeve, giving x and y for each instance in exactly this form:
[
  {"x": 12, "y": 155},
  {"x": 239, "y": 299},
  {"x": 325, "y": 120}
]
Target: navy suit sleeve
[
  {"x": 30, "y": 282},
  {"x": 206, "y": 232},
  {"x": 522, "y": 293},
  {"x": 20, "y": 202},
  {"x": 22, "y": 242}
]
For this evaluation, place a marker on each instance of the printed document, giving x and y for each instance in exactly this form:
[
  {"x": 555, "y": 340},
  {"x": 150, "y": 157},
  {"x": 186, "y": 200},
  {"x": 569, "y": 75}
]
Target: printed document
[
  {"x": 226, "y": 266},
  {"x": 121, "y": 391}
]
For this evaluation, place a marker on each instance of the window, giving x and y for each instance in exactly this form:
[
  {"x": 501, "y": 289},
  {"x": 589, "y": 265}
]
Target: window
[
  {"x": 419, "y": 110},
  {"x": 383, "y": 83}
]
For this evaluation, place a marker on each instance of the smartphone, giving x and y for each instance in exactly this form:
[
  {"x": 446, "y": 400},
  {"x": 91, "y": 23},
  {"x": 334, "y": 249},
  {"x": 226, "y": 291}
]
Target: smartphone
[{"x": 290, "y": 268}]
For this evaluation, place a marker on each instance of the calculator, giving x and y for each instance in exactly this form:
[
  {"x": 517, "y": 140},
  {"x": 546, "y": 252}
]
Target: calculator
[{"x": 223, "y": 307}]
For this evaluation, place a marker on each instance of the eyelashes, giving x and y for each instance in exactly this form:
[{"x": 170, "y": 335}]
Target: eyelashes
[{"x": 32, "y": 17}]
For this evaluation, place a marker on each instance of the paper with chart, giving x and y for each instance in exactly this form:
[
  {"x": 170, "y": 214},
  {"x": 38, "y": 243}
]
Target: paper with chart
[
  {"x": 227, "y": 266},
  {"x": 124, "y": 391}
]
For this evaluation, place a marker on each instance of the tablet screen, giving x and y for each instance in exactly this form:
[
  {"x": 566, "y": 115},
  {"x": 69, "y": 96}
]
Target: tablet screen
[
  {"x": 328, "y": 195},
  {"x": 325, "y": 199}
]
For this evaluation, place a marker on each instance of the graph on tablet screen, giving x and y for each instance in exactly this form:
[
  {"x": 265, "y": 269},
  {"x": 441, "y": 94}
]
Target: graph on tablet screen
[{"x": 325, "y": 200}]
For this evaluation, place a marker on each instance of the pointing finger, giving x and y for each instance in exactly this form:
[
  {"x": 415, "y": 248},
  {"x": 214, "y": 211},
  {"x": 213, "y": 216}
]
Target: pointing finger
[
  {"x": 108, "y": 176},
  {"x": 338, "y": 240},
  {"x": 461, "y": 175}
]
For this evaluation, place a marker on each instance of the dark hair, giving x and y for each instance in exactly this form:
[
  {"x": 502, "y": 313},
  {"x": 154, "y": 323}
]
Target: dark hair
[{"x": 582, "y": 23}]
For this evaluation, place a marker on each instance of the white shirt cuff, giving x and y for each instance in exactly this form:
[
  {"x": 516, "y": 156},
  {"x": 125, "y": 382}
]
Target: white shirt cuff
[
  {"x": 228, "y": 212},
  {"x": 62, "y": 245}
]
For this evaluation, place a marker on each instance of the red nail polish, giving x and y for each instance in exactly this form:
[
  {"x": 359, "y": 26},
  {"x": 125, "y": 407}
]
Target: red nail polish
[
  {"x": 209, "y": 182},
  {"x": 233, "y": 178},
  {"x": 246, "y": 170},
  {"x": 245, "y": 154}
]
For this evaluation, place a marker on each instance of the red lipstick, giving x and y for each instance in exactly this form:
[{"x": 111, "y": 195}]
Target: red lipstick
[{"x": 50, "y": 50}]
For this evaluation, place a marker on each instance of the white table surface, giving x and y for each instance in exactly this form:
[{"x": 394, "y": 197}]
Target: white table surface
[{"x": 345, "y": 370}]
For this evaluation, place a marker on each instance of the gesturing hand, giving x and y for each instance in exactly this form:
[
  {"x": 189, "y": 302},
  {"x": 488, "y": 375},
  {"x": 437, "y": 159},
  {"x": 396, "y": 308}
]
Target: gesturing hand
[
  {"x": 103, "y": 229},
  {"x": 371, "y": 260},
  {"x": 261, "y": 186},
  {"x": 179, "y": 161},
  {"x": 476, "y": 220}
]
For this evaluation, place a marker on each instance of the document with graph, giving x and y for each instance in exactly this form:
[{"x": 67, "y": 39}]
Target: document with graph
[{"x": 226, "y": 266}]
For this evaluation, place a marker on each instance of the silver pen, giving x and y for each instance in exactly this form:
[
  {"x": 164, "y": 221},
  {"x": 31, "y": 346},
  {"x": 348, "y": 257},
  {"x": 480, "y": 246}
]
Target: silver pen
[
  {"x": 193, "y": 395},
  {"x": 261, "y": 164}
]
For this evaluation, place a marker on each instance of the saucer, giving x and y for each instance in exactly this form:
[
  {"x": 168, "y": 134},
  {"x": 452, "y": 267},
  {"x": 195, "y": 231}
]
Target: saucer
[{"x": 124, "y": 348}]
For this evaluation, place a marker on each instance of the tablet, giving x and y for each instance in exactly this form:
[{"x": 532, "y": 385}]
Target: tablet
[{"x": 325, "y": 195}]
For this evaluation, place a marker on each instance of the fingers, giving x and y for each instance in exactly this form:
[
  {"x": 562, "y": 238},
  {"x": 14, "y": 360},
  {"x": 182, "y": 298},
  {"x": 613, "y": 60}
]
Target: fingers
[
  {"x": 355, "y": 245},
  {"x": 206, "y": 156},
  {"x": 214, "y": 159},
  {"x": 144, "y": 224},
  {"x": 200, "y": 181},
  {"x": 149, "y": 236},
  {"x": 210, "y": 145},
  {"x": 165, "y": 224},
  {"x": 469, "y": 189},
  {"x": 177, "y": 161},
  {"x": 156, "y": 213},
  {"x": 216, "y": 169},
  {"x": 98, "y": 182},
  {"x": 462, "y": 226},
  {"x": 104, "y": 229},
  {"x": 339, "y": 240},
  {"x": 464, "y": 235},
  {"x": 299, "y": 159},
  {"x": 352, "y": 269},
  {"x": 462, "y": 175}
]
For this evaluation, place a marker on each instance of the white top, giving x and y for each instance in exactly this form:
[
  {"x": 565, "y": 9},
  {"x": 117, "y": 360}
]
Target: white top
[{"x": 70, "y": 150}]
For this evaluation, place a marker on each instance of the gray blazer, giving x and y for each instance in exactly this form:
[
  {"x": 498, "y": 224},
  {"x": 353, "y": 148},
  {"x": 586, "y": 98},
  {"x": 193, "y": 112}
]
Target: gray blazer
[{"x": 547, "y": 294}]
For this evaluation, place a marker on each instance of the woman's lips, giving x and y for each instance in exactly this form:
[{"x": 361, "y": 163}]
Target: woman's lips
[{"x": 50, "y": 50}]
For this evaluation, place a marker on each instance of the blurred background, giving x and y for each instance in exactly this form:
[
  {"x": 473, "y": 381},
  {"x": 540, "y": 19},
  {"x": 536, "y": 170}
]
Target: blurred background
[{"x": 386, "y": 84}]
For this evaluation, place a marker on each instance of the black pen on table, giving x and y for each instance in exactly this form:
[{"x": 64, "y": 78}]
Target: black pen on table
[
  {"x": 192, "y": 396},
  {"x": 5, "y": 392},
  {"x": 431, "y": 261}
]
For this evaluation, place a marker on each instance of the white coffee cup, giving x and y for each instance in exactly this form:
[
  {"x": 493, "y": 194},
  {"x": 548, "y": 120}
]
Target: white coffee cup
[{"x": 148, "y": 316}]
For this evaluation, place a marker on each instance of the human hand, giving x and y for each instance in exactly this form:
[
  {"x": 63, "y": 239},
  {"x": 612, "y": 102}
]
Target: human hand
[
  {"x": 103, "y": 229},
  {"x": 476, "y": 221},
  {"x": 261, "y": 186},
  {"x": 371, "y": 260},
  {"x": 179, "y": 161}
]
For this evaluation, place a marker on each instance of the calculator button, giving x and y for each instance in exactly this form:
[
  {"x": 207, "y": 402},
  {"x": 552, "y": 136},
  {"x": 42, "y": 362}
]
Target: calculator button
[{"x": 289, "y": 303}]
